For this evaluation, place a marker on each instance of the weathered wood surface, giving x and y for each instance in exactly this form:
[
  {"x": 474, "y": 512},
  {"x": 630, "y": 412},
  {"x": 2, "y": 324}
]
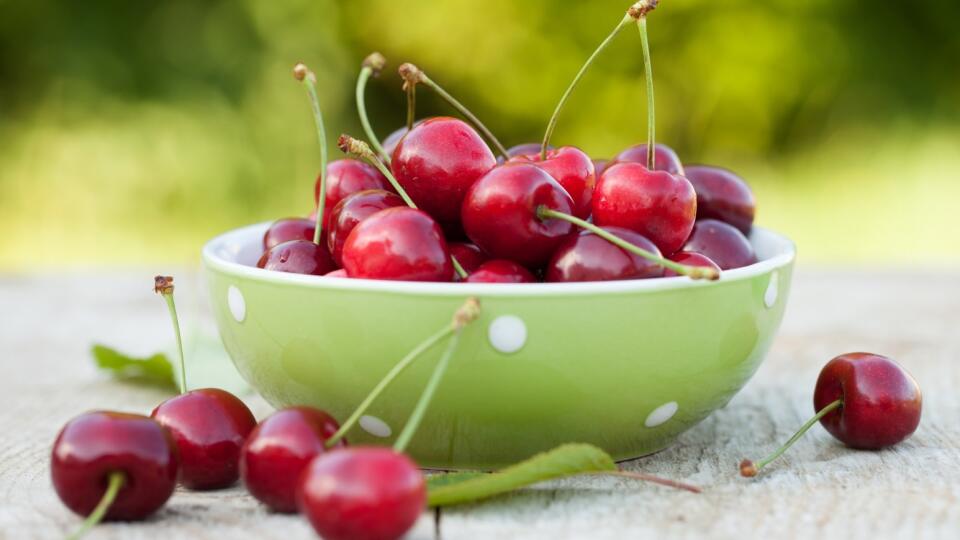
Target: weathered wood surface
[{"x": 820, "y": 490}]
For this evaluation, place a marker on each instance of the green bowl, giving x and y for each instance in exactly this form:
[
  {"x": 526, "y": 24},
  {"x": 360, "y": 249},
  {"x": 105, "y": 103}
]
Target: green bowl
[{"x": 625, "y": 365}]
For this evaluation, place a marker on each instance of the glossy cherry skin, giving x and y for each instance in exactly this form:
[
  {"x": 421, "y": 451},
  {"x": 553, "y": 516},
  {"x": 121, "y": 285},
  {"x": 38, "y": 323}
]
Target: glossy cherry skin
[
  {"x": 881, "y": 401},
  {"x": 346, "y": 177},
  {"x": 287, "y": 229},
  {"x": 390, "y": 143},
  {"x": 351, "y": 211},
  {"x": 587, "y": 257},
  {"x": 664, "y": 157},
  {"x": 690, "y": 259},
  {"x": 657, "y": 204},
  {"x": 572, "y": 169},
  {"x": 398, "y": 244},
  {"x": 722, "y": 243},
  {"x": 468, "y": 255},
  {"x": 278, "y": 451},
  {"x": 95, "y": 444},
  {"x": 722, "y": 195},
  {"x": 209, "y": 426},
  {"x": 437, "y": 162},
  {"x": 500, "y": 214},
  {"x": 501, "y": 271},
  {"x": 523, "y": 149},
  {"x": 298, "y": 257},
  {"x": 362, "y": 493}
]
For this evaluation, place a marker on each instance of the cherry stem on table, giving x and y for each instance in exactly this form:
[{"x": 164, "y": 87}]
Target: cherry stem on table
[
  {"x": 372, "y": 65},
  {"x": 653, "y": 479},
  {"x": 114, "y": 482},
  {"x": 749, "y": 468},
  {"x": 303, "y": 74},
  {"x": 693, "y": 272},
  {"x": 163, "y": 285},
  {"x": 648, "y": 76}
]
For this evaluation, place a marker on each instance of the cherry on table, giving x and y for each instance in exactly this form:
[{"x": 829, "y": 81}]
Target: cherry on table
[
  {"x": 468, "y": 255},
  {"x": 722, "y": 195},
  {"x": 287, "y": 229},
  {"x": 500, "y": 271},
  {"x": 690, "y": 259},
  {"x": 351, "y": 211},
  {"x": 587, "y": 257},
  {"x": 344, "y": 178},
  {"x": 571, "y": 168},
  {"x": 209, "y": 426},
  {"x": 399, "y": 243},
  {"x": 722, "y": 243},
  {"x": 298, "y": 257},
  {"x": 665, "y": 158},
  {"x": 279, "y": 449}
]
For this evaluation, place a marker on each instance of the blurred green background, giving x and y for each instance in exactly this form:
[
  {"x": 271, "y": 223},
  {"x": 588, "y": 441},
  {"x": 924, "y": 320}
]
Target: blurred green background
[{"x": 133, "y": 131}]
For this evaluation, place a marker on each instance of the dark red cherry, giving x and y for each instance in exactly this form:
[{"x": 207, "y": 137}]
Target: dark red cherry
[
  {"x": 346, "y": 177},
  {"x": 352, "y": 210},
  {"x": 690, "y": 259},
  {"x": 468, "y": 255},
  {"x": 362, "y": 494},
  {"x": 664, "y": 157},
  {"x": 722, "y": 195},
  {"x": 500, "y": 214},
  {"x": 524, "y": 149},
  {"x": 95, "y": 445},
  {"x": 209, "y": 426},
  {"x": 501, "y": 271},
  {"x": 279, "y": 449},
  {"x": 287, "y": 229},
  {"x": 390, "y": 143},
  {"x": 722, "y": 243},
  {"x": 572, "y": 169},
  {"x": 437, "y": 162},
  {"x": 587, "y": 257},
  {"x": 657, "y": 204},
  {"x": 298, "y": 257},
  {"x": 398, "y": 244}
]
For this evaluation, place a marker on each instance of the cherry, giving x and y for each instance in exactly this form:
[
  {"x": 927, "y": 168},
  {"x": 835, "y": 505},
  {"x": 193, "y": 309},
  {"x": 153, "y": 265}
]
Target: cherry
[
  {"x": 298, "y": 257},
  {"x": 398, "y": 244},
  {"x": 588, "y": 257},
  {"x": 339, "y": 272},
  {"x": 722, "y": 195},
  {"x": 284, "y": 230},
  {"x": 525, "y": 149},
  {"x": 437, "y": 162},
  {"x": 362, "y": 494},
  {"x": 469, "y": 255},
  {"x": 600, "y": 165},
  {"x": 115, "y": 466},
  {"x": 351, "y": 211},
  {"x": 665, "y": 158},
  {"x": 346, "y": 177},
  {"x": 690, "y": 259},
  {"x": 865, "y": 400},
  {"x": 501, "y": 271},
  {"x": 657, "y": 204},
  {"x": 572, "y": 169},
  {"x": 722, "y": 243},
  {"x": 393, "y": 139},
  {"x": 279, "y": 449}
]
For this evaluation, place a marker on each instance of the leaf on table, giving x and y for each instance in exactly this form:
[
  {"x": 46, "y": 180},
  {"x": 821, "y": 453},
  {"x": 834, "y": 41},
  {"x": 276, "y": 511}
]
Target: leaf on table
[
  {"x": 155, "y": 370},
  {"x": 564, "y": 460},
  {"x": 447, "y": 479}
]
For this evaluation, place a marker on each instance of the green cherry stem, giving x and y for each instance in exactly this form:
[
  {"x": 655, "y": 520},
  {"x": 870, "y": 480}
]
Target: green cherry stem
[
  {"x": 163, "y": 285},
  {"x": 411, "y": 90},
  {"x": 115, "y": 481},
  {"x": 693, "y": 272},
  {"x": 648, "y": 76},
  {"x": 412, "y": 75},
  {"x": 372, "y": 65},
  {"x": 749, "y": 468},
  {"x": 303, "y": 74}
]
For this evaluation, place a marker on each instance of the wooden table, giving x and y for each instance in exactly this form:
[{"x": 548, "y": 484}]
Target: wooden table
[{"x": 820, "y": 489}]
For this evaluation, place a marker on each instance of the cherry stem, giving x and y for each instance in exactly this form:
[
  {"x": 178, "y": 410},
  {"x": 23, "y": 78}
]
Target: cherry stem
[
  {"x": 303, "y": 74},
  {"x": 411, "y": 103},
  {"x": 114, "y": 483},
  {"x": 372, "y": 65},
  {"x": 653, "y": 479},
  {"x": 412, "y": 75},
  {"x": 163, "y": 285},
  {"x": 648, "y": 76},
  {"x": 359, "y": 149},
  {"x": 693, "y": 272},
  {"x": 750, "y": 469}
]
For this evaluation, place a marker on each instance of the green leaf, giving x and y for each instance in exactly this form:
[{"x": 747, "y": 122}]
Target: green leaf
[
  {"x": 564, "y": 460},
  {"x": 447, "y": 479},
  {"x": 155, "y": 370}
]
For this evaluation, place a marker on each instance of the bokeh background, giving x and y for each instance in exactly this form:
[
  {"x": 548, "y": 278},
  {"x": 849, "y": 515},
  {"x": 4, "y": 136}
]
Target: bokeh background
[{"x": 133, "y": 131}]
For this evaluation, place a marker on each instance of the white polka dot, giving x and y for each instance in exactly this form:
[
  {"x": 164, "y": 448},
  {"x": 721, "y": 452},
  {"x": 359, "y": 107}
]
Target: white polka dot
[
  {"x": 661, "y": 414},
  {"x": 770, "y": 297},
  {"x": 375, "y": 426},
  {"x": 507, "y": 334},
  {"x": 238, "y": 306}
]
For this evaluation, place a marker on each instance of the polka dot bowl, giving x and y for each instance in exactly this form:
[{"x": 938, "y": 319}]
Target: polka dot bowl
[{"x": 625, "y": 365}]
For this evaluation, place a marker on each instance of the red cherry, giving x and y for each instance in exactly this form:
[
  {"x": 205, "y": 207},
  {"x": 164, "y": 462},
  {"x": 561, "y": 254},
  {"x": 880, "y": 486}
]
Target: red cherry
[
  {"x": 340, "y": 273},
  {"x": 437, "y": 162},
  {"x": 298, "y": 257},
  {"x": 690, "y": 259},
  {"x": 93, "y": 446},
  {"x": 501, "y": 271},
  {"x": 722, "y": 195},
  {"x": 390, "y": 143},
  {"x": 362, "y": 494},
  {"x": 600, "y": 165},
  {"x": 344, "y": 178},
  {"x": 587, "y": 257},
  {"x": 500, "y": 214},
  {"x": 209, "y": 426},
  {"x": 524, "y": 149},
  {"x": 665, "y": 159},
  {"x": 279, "y": 449},
  {"x": 398, "y": 244},
  {"x": 287, "y": 229},
  {"x": 721, "y": 243},
  {"x": 468, "y": 255},
  {"x": 657, "y": 204},
  {"x": 351, "y": 211},
  {"x": 572, "y": 169}
]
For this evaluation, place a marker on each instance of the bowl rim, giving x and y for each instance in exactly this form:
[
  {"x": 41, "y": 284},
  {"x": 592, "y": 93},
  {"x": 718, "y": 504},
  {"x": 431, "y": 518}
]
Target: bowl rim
[{"x": 221, "y": 253}]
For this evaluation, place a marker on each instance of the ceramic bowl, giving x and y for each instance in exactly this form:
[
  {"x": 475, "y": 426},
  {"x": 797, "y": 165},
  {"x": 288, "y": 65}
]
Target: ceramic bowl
[{"x": 625, "y": 365}]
